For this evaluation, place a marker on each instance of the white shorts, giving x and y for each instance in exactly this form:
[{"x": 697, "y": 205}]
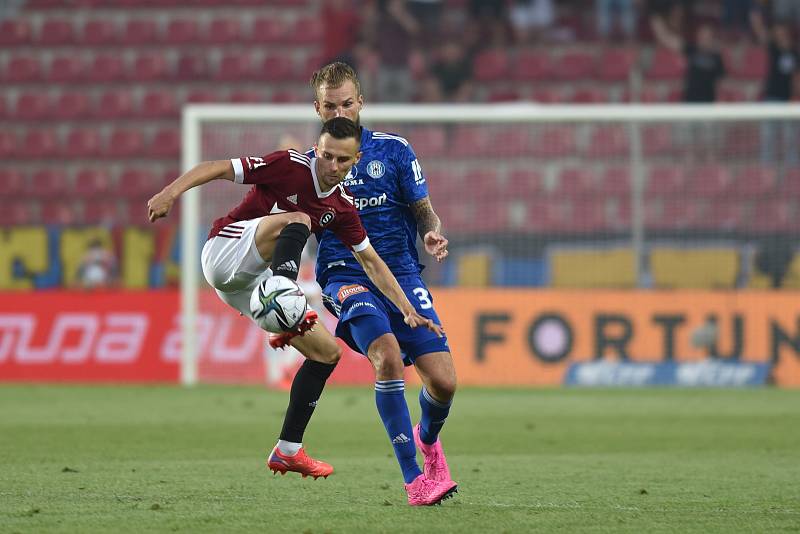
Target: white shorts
[{"x": 233, "y": 266}]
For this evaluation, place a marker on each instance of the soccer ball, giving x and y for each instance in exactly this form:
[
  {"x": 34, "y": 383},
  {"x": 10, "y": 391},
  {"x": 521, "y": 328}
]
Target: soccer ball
[{"x": 278, "y": 304}]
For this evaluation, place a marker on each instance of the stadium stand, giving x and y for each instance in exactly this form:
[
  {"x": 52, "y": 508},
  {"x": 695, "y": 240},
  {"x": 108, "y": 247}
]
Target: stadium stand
[
  {"x": 688, "y": 268},
  {"x": 591, "y": 267}
]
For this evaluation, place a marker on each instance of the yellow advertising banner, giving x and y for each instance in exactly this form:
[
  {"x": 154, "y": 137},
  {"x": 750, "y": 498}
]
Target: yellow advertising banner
[{"x": 531, "y": 337}]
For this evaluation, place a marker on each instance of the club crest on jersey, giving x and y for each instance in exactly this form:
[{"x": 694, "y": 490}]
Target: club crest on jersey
[
  {"x": 326, "y": 218},
  {"x": 349, "y": 291},
  {"x": 376, "y": 168}
]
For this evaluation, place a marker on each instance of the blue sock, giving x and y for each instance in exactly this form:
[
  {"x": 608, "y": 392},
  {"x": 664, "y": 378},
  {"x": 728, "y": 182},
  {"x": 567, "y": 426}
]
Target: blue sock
[
  {"x": 434, "y": 414},
  {"x": 392, "y": 407}
]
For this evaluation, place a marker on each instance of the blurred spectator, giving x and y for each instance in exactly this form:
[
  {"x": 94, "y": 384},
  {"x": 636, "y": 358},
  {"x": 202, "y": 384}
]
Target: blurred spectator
[
  {"x": 428, "y": 14},
  {"x": 342, "y": 21},
  {"x": 779, "y": 87},
  {"x": 773, "y": 259},
  {"x": 623, "y": 11},
  {"x": 488, "y": 26},
  {"x": 531, "y": 18},
  {"x": 669, "y": 20},
  {"x": 452, "y": 71},
  {"x": 98, "y": 267},
  {"x": 396, "y": 31},
  {"x": 787, "y": 12},
  {"x": 704, "y": 67}
]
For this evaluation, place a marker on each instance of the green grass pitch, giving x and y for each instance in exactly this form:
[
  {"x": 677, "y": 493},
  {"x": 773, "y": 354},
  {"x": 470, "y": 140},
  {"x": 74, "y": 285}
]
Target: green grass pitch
[{"x": 165, "y": 459}]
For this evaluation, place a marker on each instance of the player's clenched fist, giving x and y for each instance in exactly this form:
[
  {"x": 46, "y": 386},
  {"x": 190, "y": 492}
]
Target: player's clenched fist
[{"x": 159, "y": 205}]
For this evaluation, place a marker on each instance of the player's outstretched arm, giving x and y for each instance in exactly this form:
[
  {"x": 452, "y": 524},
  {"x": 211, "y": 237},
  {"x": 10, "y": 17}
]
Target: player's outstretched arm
[
  {"x": 202, "y": 173},
  {"x": 384, "y": 280},
  {"x": 430, "y": 228}
]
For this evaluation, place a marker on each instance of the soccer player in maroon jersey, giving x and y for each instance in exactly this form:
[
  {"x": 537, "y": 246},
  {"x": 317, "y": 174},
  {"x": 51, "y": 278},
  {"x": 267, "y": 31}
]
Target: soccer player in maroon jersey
[{"x": 292, "y": 195}]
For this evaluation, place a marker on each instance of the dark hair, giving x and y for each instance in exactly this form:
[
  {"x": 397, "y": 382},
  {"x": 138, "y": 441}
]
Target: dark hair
[
  {"x": 341, "y": 128},
  {"x": 334, "y": 75}
]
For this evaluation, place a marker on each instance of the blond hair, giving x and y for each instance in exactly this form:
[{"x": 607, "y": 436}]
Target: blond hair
[{"x": 334, "y": 75}]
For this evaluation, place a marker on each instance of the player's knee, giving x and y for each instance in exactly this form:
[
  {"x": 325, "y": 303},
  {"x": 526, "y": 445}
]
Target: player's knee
[
  {"x": 444, "y": 387},
  {"x": 328, "y": 354},
  {"x": 298, "y": 217}
]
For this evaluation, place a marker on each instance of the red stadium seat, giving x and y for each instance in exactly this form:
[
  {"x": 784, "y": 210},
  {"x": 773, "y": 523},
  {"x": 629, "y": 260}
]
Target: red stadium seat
[
  {"x": 15, "y": 32},
  {"x": 166, "y": 143},
  {"x": 752, "y": 64},
  {"x": 429, "y": 141},
  {"x": 32, "y": 106},
  {"x": 789, "y": 186},
  {"x": 755, "y": 182},
  {"x": 180, "y": 31},
  {"x": 247, "y": 96},
  {"x": 48, "y": 183},
  {"x": 667, "y": 180},
  {"x": 575, "y": 182},
  {"x": 725, "y": 216},
  {"x": 99, "y": 32},
  {"x": 608, "y": 142},
  {"x": 235, "y": 67},
  {"x": 709, "y": 180},
  {"x": 107, "y": 68},
  {"x": 137, "y": 184},
  {"x": 470, "y": 141},
  {"x": 192, "y": 66},
  {"x": 222, "y": 31},
  {"x": 728, "y": 93},
  {"x": 573, "y": 66},
  {"x": 532, "y": 65},
  {"x": 512, "y": 141},
  {"x": 306, "y": 30},
  {"x": 8, "y": 144},
  {"x": 158, "y": 104},
  {"x": 504, "y": 95},
  {"x": 17, "y": 213},
  {"x": 491, "y": 65},
  {"x": 269, "y": 30},
  {"x": 67, "y": 68},
  {"x": 524, "y": 184},
  {"x": 61, "y": 212},
  {"x": 150, "y": 67},
  {"x": 83, "y": 143},
  {"x": 275, "y": 68},
  {"x": 548, "y": 96},
  {"x": 666, "y": 65},
  {"x": 287, "y": 96},
  {"x": 139, "y": 32},
  {"x": 773, "y": 216},
  {"x": 38, "y": 144},
  {"x": 203, "y": 95},
  {"x": 676, "y": 214},
  {"x": 741, "y": 140},
  {"x": 70, "y": 106},
  {"x": 14, "y": 182},
  {"x": 125, "y": 143},
  {"x": 56, "y": 32},
  {"x": 106, "y": 212},
  {"x": 92, "y": 183},
  {"x": 616, "y": 181},
  {"x": 590, "y": 95},
  {"x": 555, "y": 142},
  {"x": 615, "y": 64},
  {"x": 23, "y": 69},
  {"x": 657, "y": 140},
  {"x": 115, "y": 105}
]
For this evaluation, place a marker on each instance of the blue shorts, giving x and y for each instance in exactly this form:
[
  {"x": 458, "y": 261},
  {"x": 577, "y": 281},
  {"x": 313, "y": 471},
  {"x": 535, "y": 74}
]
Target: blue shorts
[{"x": 365, "y": 314}]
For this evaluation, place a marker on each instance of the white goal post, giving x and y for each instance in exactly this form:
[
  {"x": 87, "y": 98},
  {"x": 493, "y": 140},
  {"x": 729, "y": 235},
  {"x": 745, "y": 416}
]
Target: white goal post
[{"x": 196, "y": 118}]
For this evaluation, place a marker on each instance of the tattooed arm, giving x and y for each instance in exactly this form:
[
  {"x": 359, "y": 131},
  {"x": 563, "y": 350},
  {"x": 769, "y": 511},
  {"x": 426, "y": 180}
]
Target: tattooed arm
[{"x": 430, "y": 227}]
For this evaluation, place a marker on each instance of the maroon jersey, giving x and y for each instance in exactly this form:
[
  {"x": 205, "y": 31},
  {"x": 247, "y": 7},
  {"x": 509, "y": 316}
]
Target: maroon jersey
[{"x": 286, "y": 181}]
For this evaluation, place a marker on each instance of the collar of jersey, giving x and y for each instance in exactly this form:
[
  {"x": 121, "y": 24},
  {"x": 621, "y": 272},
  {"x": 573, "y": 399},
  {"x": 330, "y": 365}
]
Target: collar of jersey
[{"x": 320, "y": 192}]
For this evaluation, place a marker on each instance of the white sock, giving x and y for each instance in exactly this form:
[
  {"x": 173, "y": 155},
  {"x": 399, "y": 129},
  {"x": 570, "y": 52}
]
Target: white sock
[{"x": 288, "y": 448}]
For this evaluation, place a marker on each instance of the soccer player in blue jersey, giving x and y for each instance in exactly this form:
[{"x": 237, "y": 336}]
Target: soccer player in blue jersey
[{"x": 392, "y": 198}]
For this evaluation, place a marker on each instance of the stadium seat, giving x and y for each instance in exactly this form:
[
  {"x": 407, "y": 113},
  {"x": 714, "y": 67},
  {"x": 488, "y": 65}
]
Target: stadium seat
[
  {"x": 92, "y": 183},
  {"x": 511, "y": 140},
  {"x": 223, "y": 31},
  {"x": 115, "y": 105},
  {"x": 70, "y": 106},
  {"x": 728, "y": 93},
  {"x": 574, "y": 66},
  {"x": 548, "y": 96},
  {"x": 108, "y": 212},
  {"x": 203, "y": 95},
  {"x": 775, "y": 215},
  {"x": 159, "y": 104},
  {"x": 235, "y": 67},
  {"x": 247, "y": 96},
  {"x": 491, "y": 65},
  {"x": 269, "y": 30},
  {"x": 615, "y": 64},
  {"x": 23, "y": 69},
  {"x": 666, "y": 65},
  {"x": 137, "y": 184},
  {"x": 17, "y": 213},
  {"x": 525, "y": 184},
  {"x": 587, "y": 215},
  {"x": 139, "y": 32},
  {"x": 708, "y": 181},
  {"x": 306, "y": 30},
  {"x": 694, "y": 268},
  {"x": 532, "y": 65},
  {"x": 675, "y": 214},
  {"x": 726, "y": 216},
  {"x": 657, "y": 140},
  {"x": 61, "y": 212},
  {"x": 616, "y": 181},
  {"x": 54, "y": 32},
  {"x": 470, "y": 141},
  {"x": 575, "y": 181},
  {"x": 429, "y": 141},
  {"x": 3, "y": 107},
  {"x": 608, "y": 142},
  {"x": 38, "y": 144},
  {"x": 99, "y": 32},
  {"x": 14, "y": 182},
  {"x": 125, "y": 143},
  {"x": 751, "y": 66},
  {"x": 592, "y": 268},
  {"x": 8, "y": 145},
  {"x": 15, "y": 32},
  {"x": 741, "y": 140},
  {"x": 192, "y": 66},
  {"x": 166, "y": 143},
  {"x": 789, "y": 186},
  {"x": 555, "y": 142},
  {"x": 66, "y": 68},
  {"x": 275, "y": 68},
  {"x": 590, "y": 95},
  {"x": 180, "y": 32},
  {"x": 504, "y": 95},
  {"x": 150, "y": 67},
  {"x": 83, "y": 143},
  {"x": 755, "y": 182},
  {"x": 32, "y": 106},
  {"x": 48, "y": 183},
  {"x": 106, "y": 68}
]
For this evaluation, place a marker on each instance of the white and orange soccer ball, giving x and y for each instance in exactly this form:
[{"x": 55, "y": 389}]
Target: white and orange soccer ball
[{"x": 278, "y": 304}]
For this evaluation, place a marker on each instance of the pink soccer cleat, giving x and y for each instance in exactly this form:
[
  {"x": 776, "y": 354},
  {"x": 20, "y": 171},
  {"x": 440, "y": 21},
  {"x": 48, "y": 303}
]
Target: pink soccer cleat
[
  {"x": 435, "y": 462},
  {"x": 299, "y": 463},
  {"x": 423, "y": 491},
  {"x": 279, "y": 341}
]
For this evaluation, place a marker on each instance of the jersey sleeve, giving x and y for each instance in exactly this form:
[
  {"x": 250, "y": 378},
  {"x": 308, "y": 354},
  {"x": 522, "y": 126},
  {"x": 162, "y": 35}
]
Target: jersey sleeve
[
  {"x": 254, "y": 170},
  {"x": 409, "y": 173},
  {"x": 348, "y": 228}
]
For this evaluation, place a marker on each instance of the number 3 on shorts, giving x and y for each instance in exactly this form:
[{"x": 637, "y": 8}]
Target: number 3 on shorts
[{"x": 424, "y": 298}]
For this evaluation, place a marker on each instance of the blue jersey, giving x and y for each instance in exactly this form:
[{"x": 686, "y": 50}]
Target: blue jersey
[{"x": 386, "y": 181}]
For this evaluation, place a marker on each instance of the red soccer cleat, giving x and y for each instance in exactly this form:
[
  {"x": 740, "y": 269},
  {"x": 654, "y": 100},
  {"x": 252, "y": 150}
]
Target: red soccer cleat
[
  {"x": 299, "y": 463},
  {"x": 423, "y": 491},
  {"x": 435, "y": 461},
  {"x": 279, "y": 341}
]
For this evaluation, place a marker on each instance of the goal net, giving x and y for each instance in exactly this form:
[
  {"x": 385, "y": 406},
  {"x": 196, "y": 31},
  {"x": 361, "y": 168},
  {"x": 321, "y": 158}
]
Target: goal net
[{"x": 573, "y": 197}]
